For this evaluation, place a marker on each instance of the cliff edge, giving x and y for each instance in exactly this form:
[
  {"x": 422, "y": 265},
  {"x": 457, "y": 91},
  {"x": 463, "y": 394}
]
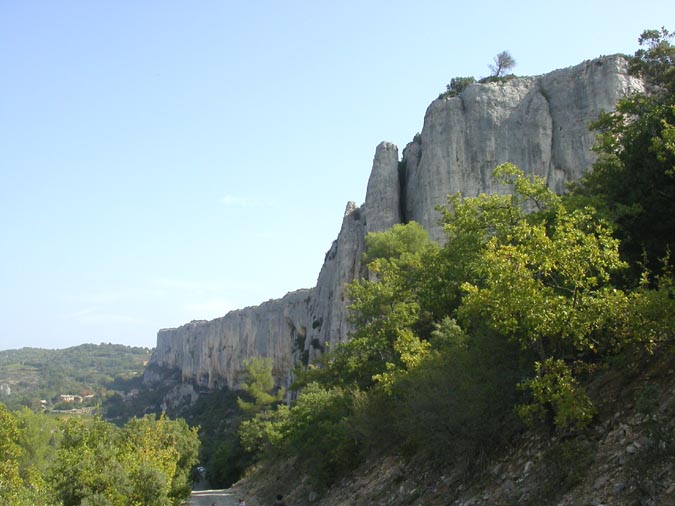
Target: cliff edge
[{"x": 538, "y": 123}]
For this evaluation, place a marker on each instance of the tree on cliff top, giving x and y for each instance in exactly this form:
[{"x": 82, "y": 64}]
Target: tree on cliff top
[{"x": 503, "y": 62}]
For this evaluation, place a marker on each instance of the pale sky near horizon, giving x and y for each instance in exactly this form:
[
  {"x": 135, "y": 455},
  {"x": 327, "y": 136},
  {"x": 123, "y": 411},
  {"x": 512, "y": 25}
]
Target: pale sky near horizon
[{"x": 165, "y": 161}]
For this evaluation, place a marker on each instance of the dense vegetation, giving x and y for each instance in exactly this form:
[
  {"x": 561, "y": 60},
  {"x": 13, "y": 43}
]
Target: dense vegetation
[
  {"x": 78, "y": 460},
  {"x": 75, "y": 462},
  {"x": 457, "y": 347},
  {"x": 35, "y": 374}
]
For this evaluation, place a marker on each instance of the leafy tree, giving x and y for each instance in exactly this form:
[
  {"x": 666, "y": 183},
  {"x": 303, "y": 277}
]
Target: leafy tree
[
  {"x": 259, "y": 385},
  {"x": 87, "y": 466},
  {"x": 656, "y": 63},
  {"x": 633, "y": 180},
  {"x": 385, "y": 309},
  {"x": 147, "y": 462},
  {"x": 253, "y": 433},
  {"x": 394, "y": 244},
  {"x": 10, "y": 480},
  {"x": 218, "y": 417},
  {"x": 229, "y": 460},
  {"x": 319, "y": 434},
  {"x": 555, "y": 388},
  {"x": 21, "y": 483},
  {"x": 456, "y": 406},
  {"x": 38, "y": 439},
  {"x": 503, "y": 62},
  {"x": 545, "y": 282},
  {"x": 160, "y": 454},
  {"x": 265, "y": 432}
]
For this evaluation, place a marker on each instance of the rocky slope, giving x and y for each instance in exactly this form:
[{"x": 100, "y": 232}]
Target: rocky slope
[
  {"x": 626, "y": 458},
  {"x": 538, "y": 123}
]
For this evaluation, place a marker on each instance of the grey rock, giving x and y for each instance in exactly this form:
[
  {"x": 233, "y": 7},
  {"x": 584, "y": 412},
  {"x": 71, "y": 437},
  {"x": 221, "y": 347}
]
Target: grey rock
[
  {"x": 538, "y": 123},
  {"x": 383, "y": 196},
  {"x": 211, "y": 353},
  {"x": 600, "y": 482}
]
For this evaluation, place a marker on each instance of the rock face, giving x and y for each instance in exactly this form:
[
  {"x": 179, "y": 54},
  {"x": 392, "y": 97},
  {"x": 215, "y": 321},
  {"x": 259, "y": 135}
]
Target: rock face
[
  {"x": 538, "y": 123},
  {"x": 211, "y": 353}
]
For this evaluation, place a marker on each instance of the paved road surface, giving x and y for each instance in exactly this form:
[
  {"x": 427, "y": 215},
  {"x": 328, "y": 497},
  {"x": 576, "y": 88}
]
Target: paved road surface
[{"x": 210, "y": 497}]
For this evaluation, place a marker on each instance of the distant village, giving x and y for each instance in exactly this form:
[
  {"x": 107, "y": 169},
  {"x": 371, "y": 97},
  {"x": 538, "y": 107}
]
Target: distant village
[{"x": 75, "y": 399}]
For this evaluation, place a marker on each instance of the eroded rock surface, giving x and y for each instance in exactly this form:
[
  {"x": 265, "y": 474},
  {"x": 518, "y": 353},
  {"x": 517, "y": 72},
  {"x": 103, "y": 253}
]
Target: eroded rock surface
[{"x": 538, "y": 123}]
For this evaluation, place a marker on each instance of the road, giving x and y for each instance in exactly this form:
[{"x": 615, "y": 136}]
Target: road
[{"x": 211, "y": 497}]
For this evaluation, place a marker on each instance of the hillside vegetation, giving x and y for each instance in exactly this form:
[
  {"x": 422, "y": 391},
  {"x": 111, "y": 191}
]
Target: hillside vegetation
[
  {"x": 505, "y": 331},
  {"x": 31, "y": 375},
  {"x": 82, "y": 459},
  {"x": 529, "y": 356}
]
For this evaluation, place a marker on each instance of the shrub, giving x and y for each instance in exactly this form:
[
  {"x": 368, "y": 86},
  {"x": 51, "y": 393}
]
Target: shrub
[
  {"x": 457, "y": 404},
  {"x": 320, "y": 435},
  {"x": 457, "y": 86}
]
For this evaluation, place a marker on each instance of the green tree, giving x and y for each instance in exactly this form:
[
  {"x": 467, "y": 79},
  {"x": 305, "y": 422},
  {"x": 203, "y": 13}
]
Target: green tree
[
  {"x": 264, "y": 433},
  {"x": 21, "y": 483},
  {"x": 228, "y": 461},
  {"x": 259, "y": 385},
  {"x": 146, "y": 462},
  {"x": 10, "y": 452},
  {"x": 456, "y": 405},
  {"x": 39, "y": 439},
  {"x": 256, "y": 433},
  {"x": 87, "y": 466},
  {"x": 159, "y": 455},
  {"x": 385, "y": 308},
  {"x": 656, "y": 62},
  {"x": 544, "y": 281},
  {"x": 318, "y": 432},
  {"x": 633, "y": 179}
]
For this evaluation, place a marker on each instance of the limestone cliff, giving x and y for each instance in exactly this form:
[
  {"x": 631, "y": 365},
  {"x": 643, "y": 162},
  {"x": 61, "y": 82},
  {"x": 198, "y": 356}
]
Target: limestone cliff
[
  {"x": 538, "y": 123},
  {"x": 211, "y": 353}
]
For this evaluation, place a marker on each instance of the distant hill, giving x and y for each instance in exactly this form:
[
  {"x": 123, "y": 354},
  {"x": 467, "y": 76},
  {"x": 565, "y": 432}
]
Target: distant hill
[{"x": 80, "y": 376}]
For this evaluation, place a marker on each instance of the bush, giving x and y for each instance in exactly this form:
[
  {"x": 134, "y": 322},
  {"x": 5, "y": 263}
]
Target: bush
[
  {"x": 562, "y": 466},
  {"x": 227, "y": 463},
  {"x": 496, "y": 79},
  {"x": 457, "y": 86},
  {"x": 457, "y": 405},
  {"x": 320, "y": 435}
]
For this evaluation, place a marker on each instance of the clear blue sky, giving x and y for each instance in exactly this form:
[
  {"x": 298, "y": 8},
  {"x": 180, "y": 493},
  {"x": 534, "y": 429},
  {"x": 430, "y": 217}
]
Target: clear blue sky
[{"x": 164, "y": 161}]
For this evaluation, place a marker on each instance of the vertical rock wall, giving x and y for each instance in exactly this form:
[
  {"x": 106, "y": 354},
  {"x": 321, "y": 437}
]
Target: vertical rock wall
[
  {"x": 538, "y": 123},
  {"x": 211, "y": 354}
]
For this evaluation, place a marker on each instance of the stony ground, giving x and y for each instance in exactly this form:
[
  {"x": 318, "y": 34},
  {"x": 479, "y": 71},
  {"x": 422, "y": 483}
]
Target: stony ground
[{"x": 627, "y": 458}]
